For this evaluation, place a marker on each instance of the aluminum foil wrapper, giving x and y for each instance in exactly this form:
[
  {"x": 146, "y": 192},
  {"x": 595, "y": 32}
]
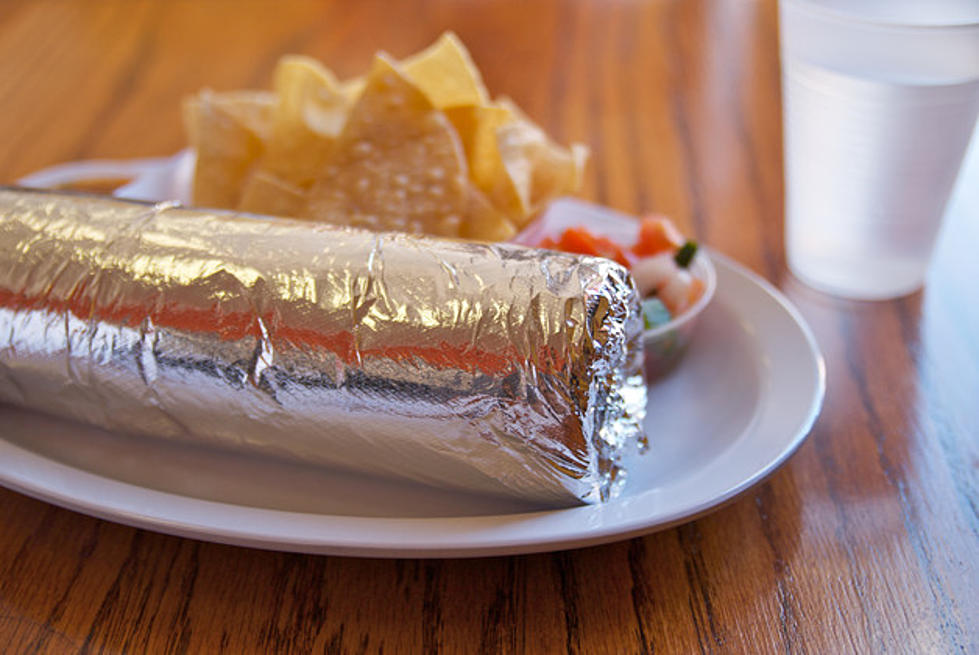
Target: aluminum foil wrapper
[{"x": 483, "y": 367}]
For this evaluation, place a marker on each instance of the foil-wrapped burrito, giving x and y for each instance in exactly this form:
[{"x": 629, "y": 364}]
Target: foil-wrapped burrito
[{"x": 482, "y": 367}]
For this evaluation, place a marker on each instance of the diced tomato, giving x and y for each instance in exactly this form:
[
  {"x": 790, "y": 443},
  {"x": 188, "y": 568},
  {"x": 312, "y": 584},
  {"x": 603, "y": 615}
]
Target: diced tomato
[
  {"x": 581, "y": 241},
  {"x": 611, "y": 250},
  {"x": 548, "y": 243},
  {"x": 657, "y": 234}
]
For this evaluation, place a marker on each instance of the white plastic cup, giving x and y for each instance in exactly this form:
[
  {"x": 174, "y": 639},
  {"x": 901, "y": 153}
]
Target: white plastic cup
[{"x": 880, "y": 99}]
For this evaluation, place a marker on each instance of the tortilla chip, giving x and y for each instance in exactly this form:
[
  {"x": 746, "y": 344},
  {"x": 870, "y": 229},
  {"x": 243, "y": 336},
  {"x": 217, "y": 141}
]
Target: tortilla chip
[
  {"x": 580, "y": 153},
  {"x": 265, "y": 193},
  {"x": 484, "y": 222},
  {"x": 507, "y": 103},
  {"x": 227, "y": 132},
  {"x": 477, "y": 126},
  {"x": 553, "y": 171},
  {"x": 446, "y": 74},
  {"x": 397, "y": 165},
  {"x": 415, "y": 146},
  {"x": 309, "y": 115},
  {"x": 352, "y": 88},
  {"x": 539, "y": 169},
  {"x": 513, "y": 161}
]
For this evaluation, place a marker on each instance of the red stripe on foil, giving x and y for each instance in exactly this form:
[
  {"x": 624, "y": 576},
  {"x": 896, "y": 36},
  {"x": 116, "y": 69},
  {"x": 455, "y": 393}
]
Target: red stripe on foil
[{"x": 231, "y": 326}]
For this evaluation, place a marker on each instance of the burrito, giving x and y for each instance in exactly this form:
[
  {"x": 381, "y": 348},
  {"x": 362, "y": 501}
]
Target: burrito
[{"x": 488, "y": 368}]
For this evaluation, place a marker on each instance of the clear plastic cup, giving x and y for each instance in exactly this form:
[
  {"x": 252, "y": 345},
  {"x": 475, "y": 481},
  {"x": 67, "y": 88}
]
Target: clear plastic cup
[{"x": 880, "y": 99}]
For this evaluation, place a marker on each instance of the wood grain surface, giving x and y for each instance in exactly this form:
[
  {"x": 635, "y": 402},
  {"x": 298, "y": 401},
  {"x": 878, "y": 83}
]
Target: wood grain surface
[{"x": 867, "y": 541}]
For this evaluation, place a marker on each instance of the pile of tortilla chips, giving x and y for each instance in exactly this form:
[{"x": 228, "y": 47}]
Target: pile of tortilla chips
[{"x": 413, "y": 146}]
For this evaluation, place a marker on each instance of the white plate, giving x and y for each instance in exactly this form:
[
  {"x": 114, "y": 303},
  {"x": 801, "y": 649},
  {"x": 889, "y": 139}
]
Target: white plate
[{"x": 740, "y": 403}]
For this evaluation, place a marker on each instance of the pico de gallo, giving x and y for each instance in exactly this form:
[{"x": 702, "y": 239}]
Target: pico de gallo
[{"x": 659, "y": 261}]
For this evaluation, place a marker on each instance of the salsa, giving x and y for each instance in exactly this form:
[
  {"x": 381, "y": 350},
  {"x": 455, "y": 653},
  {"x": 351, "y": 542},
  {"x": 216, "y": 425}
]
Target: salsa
[{"x": 659, "y": 261}]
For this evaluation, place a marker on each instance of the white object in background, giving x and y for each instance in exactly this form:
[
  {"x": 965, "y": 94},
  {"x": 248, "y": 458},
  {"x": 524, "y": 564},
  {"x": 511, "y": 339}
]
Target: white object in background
[
  {"x": 880, "y": 99},
  {"x": 155, "y": 179}
]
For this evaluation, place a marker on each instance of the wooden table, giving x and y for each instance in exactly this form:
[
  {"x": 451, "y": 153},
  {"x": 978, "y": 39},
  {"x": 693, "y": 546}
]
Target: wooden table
[{"x": 866, "y": 541}]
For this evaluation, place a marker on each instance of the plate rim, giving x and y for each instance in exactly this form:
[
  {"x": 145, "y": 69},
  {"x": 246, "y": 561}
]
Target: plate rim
[{"x": 473, "y": 536}]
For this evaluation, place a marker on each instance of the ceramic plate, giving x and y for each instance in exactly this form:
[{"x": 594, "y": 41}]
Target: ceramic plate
[{"x": 734, "y": 410}]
